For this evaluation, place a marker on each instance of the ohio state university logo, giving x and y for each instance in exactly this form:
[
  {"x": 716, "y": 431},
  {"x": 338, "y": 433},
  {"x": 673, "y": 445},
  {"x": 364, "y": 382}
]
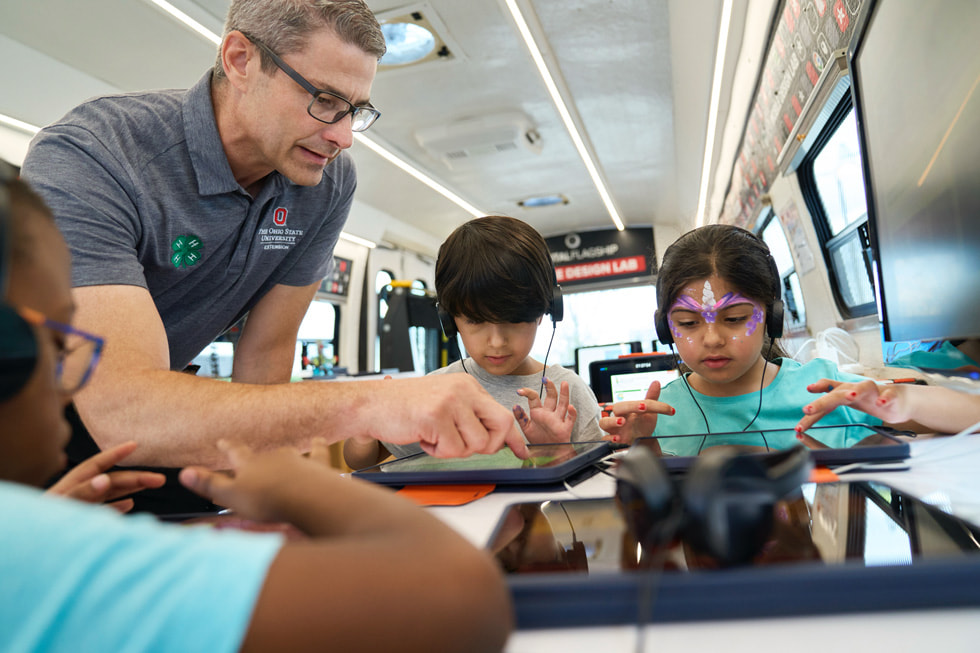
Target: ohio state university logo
[{"x": 279, "y": 217}]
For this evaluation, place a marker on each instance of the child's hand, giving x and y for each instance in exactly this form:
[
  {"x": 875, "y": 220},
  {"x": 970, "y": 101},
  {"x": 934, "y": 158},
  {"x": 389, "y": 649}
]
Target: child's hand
[
  {"x": 552, "y": 419},
  {"x": 88, "y": 481},
  {"x": 257, "y": 484},
  {"x": 888, "y": 402},
  {"x": 635, "y": 419}
]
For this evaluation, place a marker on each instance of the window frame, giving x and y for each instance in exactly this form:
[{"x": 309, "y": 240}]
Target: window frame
[
  {"x": 857, "y": 230},
  {"x": 791, "y": 327}
]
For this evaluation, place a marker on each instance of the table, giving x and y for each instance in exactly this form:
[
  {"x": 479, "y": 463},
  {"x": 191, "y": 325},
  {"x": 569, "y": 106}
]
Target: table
[{"x": 943, "y": 471}]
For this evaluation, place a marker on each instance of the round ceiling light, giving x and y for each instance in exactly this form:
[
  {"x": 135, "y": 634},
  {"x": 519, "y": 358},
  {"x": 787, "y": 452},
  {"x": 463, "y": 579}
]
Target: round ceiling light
[{"x": 406, "y": 42}]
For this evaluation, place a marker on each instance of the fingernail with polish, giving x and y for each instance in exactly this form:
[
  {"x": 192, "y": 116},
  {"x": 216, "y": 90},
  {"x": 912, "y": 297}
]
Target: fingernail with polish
[{"x": 620, "y": 421}]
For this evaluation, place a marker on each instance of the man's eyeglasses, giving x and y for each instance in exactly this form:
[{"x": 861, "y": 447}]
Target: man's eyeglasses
[
  {"x": 78, "y": 354},
  {"x": 326, "y": 106}
]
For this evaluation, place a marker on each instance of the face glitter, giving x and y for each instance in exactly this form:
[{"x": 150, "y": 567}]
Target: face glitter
[{"x": 708, "y": 308}]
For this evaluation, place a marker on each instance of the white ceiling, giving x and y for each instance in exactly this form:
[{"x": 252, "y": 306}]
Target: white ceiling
[{"x": 638, "y": 73}]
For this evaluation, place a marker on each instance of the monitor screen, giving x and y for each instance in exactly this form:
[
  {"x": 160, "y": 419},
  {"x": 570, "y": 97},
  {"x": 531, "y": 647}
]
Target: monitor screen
[
  {"x": 585, "y": 355},
  {"x": 915, "y": 89},
  {"x": 628, "y": 378}
]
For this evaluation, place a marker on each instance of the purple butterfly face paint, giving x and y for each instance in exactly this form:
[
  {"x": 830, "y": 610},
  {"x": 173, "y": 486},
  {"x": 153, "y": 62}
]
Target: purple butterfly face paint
[{"x": 708, "y": 308}]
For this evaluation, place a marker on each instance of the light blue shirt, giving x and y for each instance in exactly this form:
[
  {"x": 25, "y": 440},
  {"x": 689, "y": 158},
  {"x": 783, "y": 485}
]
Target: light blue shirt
[
  {"x": 782, "y": 407},
  {"x": 75, "y": 577}
]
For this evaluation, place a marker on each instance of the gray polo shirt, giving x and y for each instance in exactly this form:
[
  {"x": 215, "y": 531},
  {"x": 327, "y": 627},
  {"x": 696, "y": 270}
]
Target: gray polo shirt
[{"x": 141, "y": 189}]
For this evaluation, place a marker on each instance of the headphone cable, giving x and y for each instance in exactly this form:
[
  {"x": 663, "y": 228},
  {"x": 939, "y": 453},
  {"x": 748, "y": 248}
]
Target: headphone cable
[
  {"x": 544, "y": 371},
  {"x": 707, "y": 426},
  {"x": 761, "y": 386},
  {"x": 647, "y": 587}
]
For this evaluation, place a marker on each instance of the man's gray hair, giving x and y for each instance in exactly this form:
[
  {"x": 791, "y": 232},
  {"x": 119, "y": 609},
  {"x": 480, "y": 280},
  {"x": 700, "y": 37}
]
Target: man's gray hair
[{"x": 285, "y": 25}]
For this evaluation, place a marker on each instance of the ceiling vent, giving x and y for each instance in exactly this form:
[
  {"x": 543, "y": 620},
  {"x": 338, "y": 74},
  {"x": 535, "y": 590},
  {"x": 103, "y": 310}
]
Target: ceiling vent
[{"x": 499, "y": 135}]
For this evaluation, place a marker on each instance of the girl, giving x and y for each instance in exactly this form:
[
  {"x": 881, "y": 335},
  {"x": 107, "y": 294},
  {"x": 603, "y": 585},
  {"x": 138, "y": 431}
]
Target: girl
[{"x": 718, "y": 298}]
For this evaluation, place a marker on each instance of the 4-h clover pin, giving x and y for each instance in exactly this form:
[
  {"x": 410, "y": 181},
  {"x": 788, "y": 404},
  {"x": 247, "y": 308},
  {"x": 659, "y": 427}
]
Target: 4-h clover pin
[{"x": 187, "y": 251}]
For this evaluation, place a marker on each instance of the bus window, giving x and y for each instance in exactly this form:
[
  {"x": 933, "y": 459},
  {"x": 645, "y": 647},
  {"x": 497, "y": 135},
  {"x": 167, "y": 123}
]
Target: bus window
[
  {"x": 774, "y": 236},
  {"x": 317, "y": 340},
  {"x": 599, "y": 317},
  {"x": 833, "y": 187},
  {"x": 837, "y": 174}
]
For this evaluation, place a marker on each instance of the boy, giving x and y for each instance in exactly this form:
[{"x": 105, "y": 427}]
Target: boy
[{"x": 495, "y": 282}]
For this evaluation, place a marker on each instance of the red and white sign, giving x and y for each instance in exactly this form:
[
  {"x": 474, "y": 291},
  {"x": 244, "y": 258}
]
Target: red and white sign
[{"x": 596, "y": 269}]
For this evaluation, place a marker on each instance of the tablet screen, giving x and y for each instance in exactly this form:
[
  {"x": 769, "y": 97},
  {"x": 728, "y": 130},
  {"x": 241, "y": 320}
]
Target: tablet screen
[
  {"x": 835, "y": 547},
  {"x": 861, "y": 522},
  {"x": 548, "y": 462},
  {"x": 630, "y": 387},
  {"x": 874, "y": 444}
]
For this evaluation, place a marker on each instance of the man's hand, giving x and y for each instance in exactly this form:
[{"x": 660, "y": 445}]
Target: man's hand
[{"x": 449, "y": 415}]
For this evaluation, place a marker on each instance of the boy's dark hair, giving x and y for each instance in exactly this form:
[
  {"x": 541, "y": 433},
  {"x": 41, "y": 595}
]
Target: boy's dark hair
[
  {"x": 736, "y": 255},
  {"x": 495, "y": 269}
]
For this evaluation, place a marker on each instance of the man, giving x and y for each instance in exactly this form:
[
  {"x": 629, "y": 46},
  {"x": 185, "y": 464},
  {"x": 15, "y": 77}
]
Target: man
[{"x": 165, "y": 199}]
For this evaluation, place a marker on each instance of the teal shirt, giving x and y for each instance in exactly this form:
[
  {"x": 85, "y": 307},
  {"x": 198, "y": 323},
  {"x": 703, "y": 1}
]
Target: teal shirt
[
  {"x": 77, "y": 577},
  {"x": 946, "y": 357},
  {"x": 782, "y": 407}
]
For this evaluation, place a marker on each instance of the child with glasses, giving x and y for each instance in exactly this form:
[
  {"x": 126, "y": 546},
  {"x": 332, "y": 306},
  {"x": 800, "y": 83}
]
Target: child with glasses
[{"x": 83, "y": 578}]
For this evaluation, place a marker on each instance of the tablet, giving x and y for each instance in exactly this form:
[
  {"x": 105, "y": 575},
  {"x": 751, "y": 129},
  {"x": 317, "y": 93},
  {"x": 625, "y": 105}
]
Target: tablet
[
  {"x": 881, "y": 445},
  {"x": 841, "y": 547},
  {"x": 549, "y": 464}
]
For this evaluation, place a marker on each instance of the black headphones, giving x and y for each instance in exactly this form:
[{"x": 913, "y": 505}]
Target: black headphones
[
  {"x": 774, "y": 314},
  {"x": 722, "y": 507},
  {"x": 556, "y": 308},
  {"x": 18, "y": 348}
]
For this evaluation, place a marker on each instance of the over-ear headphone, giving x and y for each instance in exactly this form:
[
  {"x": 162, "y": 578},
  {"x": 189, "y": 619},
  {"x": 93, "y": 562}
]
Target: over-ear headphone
[
  {"x": 556, "y": 308},
  {"x": 722, "y": 507},
  {"x": 18, "y": 347},
  {"x": 774, "y": 313}
]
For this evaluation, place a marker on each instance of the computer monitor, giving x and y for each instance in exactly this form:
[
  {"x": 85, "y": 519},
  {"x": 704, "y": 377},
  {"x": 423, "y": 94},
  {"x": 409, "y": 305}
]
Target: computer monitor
[
  {"x": 626, "y": 379},
  {"x": 915, "y": 89},
  {"x": 585, "y": 355}
]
